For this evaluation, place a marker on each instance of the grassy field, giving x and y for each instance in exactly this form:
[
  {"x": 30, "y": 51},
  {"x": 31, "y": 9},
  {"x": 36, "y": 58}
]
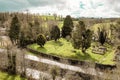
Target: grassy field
[
  {"x": 5, "y": 76},
  {"x": 65, "y": 49},
  {"x": 59, "y": 23},
  {"x": 49, "y": 17}
]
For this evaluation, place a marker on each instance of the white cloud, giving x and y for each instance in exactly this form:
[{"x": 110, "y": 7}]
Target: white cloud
[
  {"x": 76, "y": 8},
  {"x": 84, "y": 8}
]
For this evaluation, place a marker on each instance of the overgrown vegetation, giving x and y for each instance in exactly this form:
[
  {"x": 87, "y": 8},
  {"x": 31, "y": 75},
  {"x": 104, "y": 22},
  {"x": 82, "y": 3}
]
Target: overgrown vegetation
[
  {"x": 54, "y": 71},
  {"x": 6, "y": 76}
]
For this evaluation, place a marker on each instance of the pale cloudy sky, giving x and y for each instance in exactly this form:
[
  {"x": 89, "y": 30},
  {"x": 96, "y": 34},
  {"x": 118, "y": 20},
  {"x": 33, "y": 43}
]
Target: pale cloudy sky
[{"x": 75, "y": 8}]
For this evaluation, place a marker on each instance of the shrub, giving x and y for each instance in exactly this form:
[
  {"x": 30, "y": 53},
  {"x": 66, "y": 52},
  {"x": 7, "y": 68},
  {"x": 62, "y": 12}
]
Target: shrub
[
  {"x": 41, "y": 40},
  {"x": 54, "y": 71},
  {"x": 55, "y": 32}
]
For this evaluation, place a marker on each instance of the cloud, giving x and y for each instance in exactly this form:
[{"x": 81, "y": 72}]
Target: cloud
[
  {"x": 114, "y": 5},
  {"x": 98, "y": 8},
  {"x": 45, "y": 2},
  {"x": 75, "y": 8},
  {"x": 16, "y": 5}
]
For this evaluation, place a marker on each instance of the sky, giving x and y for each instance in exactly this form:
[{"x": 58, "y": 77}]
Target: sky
[{"x": 75, "y": 8}]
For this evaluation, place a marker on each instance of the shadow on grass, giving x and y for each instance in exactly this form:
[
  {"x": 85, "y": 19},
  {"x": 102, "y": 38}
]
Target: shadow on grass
[
  {"x": 85, "y": 56},
  {"x": 57, "y": 43},
  {"x": 42, "y": 49},
  {"x": 13, "y": 77},
  {"x": 90, "y": 57},
  {"x": 7, "y": 77}
]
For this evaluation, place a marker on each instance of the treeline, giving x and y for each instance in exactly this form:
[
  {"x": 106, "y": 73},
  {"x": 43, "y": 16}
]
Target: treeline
[
  {"x": 24, "y": 29},
  {"x": 34, "y": 32}
]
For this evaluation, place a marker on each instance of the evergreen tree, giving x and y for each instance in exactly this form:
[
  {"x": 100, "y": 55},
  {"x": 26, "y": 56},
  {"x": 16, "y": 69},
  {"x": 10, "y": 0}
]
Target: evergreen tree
[
  {"x": 14, "y": 29},
  {"x": 102, "y": 36},
  {"x": 86, "y": 40},
  {"x": 41, "y": 40},
  {"x": 77, "y": 34},
  {"x": 22, "y": 40},
  {"x": 55, "y": 32},
  {"x": 82, "y": 26},
  {"x": 77, "y": 37},
  {"x": 67, "y": 26},
  {"x": 81, "y": 37}
]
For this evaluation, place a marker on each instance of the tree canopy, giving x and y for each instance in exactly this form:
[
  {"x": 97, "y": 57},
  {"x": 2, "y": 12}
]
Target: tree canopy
[
  {"x": 55, "y": 32},
  {"x": 67, "y": 26},
  {"x": 14, "y": 29},
  {"x": 41, "y": 40}
]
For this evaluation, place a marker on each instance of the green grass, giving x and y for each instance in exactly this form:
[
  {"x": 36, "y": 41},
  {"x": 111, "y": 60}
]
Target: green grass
[
  {"x": 60, "y": 24},
  {"x": 65, "y": 49},
  {"x": 6, "y": 76}
]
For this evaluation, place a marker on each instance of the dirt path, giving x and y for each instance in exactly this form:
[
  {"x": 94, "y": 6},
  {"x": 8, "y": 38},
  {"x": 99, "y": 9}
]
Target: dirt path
[{"x": 90, "y": 71}]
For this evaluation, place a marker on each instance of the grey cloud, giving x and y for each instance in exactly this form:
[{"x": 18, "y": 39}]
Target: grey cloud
[
  {"x": 114, "y": 5},
  {"x": 45, "y": 2},
  {"x": 16, "y": 5}
]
